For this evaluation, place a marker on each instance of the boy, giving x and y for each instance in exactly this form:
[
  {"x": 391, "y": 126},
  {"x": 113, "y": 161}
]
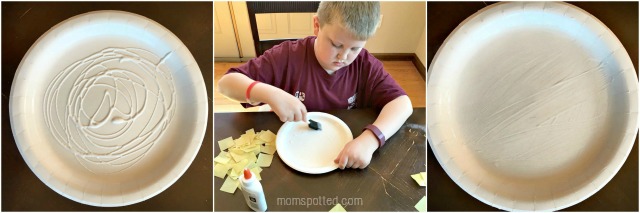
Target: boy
[{"x": 324, "y": 72}]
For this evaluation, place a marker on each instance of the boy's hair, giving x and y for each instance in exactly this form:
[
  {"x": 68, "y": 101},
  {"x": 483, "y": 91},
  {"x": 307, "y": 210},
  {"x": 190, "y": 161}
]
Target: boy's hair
[{"x": 361, "y": 18}]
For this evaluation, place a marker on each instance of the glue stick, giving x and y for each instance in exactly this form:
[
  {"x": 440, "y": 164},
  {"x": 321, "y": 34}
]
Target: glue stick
[{"x": 253, "y": 193}]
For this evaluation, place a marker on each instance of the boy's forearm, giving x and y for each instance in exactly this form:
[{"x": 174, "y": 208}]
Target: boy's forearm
[
  {"x": 393, "y": 115},
  {"x": 234, "y": 86}
]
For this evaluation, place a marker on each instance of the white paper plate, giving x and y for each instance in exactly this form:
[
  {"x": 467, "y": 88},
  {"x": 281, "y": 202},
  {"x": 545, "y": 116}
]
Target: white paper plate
[
  {"x": 532, "y": 106},
  {"x": 312, "y": 151},
  {"x": 108, "y": 108}
]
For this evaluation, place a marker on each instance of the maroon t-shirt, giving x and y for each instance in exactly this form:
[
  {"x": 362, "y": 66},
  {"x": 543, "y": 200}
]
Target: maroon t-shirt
[{"x": 292, "y": 66}]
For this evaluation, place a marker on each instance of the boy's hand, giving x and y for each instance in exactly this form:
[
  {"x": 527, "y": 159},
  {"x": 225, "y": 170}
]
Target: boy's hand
[
  {"x": 288, "y": 107},
  {"x": 357, "y": 153}
]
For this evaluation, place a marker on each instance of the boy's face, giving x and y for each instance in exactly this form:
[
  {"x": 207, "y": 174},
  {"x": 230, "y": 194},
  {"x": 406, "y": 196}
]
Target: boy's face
[{"x": 335, "y": 47}]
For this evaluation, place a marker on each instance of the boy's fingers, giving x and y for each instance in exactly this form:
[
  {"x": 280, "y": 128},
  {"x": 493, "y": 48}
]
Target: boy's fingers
[
  {"x": 285, "y": 118},
  {"x": 304, "y": 114},
  {"x": 297, "y": 116},
  {"x": 342, "y": 161},
  {"x": 282, "y": 118},
  {"x": 355, "y": 165},
  {"x": 337, "y": 160},
  {"x": 350, "y": 163},
  {"x": 362, "y": 165}
]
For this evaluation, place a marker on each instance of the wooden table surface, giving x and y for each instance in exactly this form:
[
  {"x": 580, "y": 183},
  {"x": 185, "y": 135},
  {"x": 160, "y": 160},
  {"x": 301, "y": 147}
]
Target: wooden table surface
[
  {"x": 385, "y": 185},
  {"x": 24, "y": 22}
]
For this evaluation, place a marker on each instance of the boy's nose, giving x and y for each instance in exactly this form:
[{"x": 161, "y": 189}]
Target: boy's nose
[{"x": 342, "y": 56}]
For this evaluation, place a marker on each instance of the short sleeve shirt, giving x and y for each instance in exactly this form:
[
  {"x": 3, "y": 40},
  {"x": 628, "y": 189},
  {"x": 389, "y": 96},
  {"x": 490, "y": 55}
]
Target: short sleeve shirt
[{"x": 292, "y": 66}]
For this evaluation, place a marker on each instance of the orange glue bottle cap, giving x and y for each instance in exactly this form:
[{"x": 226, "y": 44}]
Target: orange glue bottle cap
[{"x": 247, "y": 174}]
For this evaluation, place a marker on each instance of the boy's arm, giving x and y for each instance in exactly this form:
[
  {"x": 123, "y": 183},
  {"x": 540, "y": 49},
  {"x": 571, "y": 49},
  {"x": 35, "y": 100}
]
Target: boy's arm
[
  {"x": 393, "y": 115},
  {"x": 286, "y": 106},
  {"x": 357, "y": 153}
]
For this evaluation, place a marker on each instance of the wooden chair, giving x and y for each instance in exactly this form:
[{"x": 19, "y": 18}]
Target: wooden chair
[{"x": 274, "y": 7}]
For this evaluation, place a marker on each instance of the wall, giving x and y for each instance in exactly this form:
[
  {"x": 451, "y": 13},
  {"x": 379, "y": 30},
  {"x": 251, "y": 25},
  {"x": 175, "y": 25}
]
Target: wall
[
  {"x": 402, "y": 29},
  {"x": 421, "y": 49},
  {"x": 402, "y": 25}
]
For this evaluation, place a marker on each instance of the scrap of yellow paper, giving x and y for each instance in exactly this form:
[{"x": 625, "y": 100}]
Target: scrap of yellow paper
[
  {"x": 251, "y": 133},
  {"x": 238, "y": 154},
  {"x": 338, "y": 208},
  {"x": 268, "y": 149},
  {"x": 256, "y": 171},
  {"x": 230, "y": 185},
  {"x": 267, "y": 136},
  {"x": 422, "y": 204},
  {"x": 222, "y": 158},
  {"x": 264, "y": 160},
  {"x": 225, "y": 143},
  {"x": 420, "y": 178},
  {"x": 241, "y": 165},
  {"x": 234, "y": 174},
  {"x": 220, "y": 170}
]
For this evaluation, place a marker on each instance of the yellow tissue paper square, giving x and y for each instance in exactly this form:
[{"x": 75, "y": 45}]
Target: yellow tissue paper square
[
  {"x": 418, "y": 178},
  {"x": 264, "y": 160},
  {"x": 250, "y": 134},
  {"x": 241, "y": 165},
  {"x": 222, "y": 158},
  {"x": 230, "y": 185},
  {"x": 338, "y": 208},
  {"x": 244, "y": 152},
  {"x": 251, "y": 148},
  {"x": 225, "y": 143},
  {"x": 422, "y": 204},
  {"x": 251, "y": 165},
  {"x": 256, "y": 171},
  {"x": 237, "y": 154},
  {"x": 220, "y": 170},
  {"x": 268, "y": 136},
  {"x": 255, "y": 149},
  {"x": 268, "y": 149},
  {"x": 238, "y": 142},
  {"x": 234, "y": 174}
]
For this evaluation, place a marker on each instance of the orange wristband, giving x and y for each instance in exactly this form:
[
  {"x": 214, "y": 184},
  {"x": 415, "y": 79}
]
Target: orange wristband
[{"x": 248, "y": 93}]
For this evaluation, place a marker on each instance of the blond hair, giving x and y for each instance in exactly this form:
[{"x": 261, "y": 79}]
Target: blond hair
[{"x": 360, "y": 18}]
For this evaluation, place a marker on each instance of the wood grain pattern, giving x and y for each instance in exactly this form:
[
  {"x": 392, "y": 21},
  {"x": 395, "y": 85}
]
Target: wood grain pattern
[{"x": 385, "y": 185}]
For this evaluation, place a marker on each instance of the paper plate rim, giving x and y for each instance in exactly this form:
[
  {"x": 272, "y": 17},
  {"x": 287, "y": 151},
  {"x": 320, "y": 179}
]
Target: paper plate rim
[
  {"x": 18, "y": 125},
  {"x": 310, "y": 115},
  {"x": 625, "y": 147}
]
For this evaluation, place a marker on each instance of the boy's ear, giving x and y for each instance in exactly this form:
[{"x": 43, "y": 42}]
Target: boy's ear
[
  {"x": 316, "y": 25},
  {"x": 380, "y": 22}
]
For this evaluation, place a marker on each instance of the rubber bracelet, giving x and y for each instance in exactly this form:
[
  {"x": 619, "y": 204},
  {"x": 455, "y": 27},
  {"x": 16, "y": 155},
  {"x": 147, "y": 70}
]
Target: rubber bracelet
[
  {"x": 248, "y": 93},
  {"x": 376, "y": 132}
]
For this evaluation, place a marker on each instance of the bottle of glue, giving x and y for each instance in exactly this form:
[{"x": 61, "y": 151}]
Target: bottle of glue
[{"x": 253, "y": 193}]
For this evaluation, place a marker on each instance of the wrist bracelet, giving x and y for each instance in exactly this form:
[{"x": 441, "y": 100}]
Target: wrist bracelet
[
  {"x": 248, "y": 93},
  {"x": 376, "y": 132}
]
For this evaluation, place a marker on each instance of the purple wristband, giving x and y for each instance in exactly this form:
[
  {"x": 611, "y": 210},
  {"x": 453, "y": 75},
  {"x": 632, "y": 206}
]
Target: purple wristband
[{"x": 376, "y": 132}]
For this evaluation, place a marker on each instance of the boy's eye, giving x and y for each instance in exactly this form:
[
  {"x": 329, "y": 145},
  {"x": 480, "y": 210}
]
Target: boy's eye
[
  {"x": 334, "y": 45},
  {"x": 355, "y": 49}
]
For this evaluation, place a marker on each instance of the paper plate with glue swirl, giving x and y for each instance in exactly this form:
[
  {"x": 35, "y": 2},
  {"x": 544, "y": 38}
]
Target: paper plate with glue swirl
[
  {"x": 108, "y": 108},
  {"x": 313, "y": 151},
  {"x": 533, "y": 106}
]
